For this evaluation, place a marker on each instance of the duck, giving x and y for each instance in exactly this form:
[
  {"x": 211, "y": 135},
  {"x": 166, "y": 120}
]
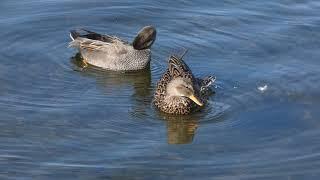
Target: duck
[
  {"x": 179, "y": 92},
  {"x": 113, "y": 53}
]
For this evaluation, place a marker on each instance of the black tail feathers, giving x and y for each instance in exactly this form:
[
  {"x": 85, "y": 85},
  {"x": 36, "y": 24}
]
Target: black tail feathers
[{"x": 74, "y": 34}]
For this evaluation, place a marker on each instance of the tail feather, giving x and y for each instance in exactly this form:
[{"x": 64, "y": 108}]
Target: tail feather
[
  {"x": 74, "y": 34},
  {"x": 75, "y": 43}
]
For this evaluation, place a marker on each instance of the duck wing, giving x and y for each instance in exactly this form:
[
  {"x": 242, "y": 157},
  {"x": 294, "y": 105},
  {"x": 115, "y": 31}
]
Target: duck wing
[
  {"x": 178, "y": 68},
  {"x": 115, "y": 48},
  {"x": 93, "y": 42},
  {"x": 83, "y": 33}
]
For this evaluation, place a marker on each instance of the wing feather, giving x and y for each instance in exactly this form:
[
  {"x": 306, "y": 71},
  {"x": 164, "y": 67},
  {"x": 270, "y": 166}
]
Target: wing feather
[
  {"x": 178, "y": 68},
  {"x": 95, "y": 45}
]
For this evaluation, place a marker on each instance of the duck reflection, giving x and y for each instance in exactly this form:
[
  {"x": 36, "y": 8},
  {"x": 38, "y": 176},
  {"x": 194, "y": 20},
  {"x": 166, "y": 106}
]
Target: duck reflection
[
  {"x": 181, "y": 129},
  {"x": 137, "y": 82},
  {"x": 140, "y": 80}
]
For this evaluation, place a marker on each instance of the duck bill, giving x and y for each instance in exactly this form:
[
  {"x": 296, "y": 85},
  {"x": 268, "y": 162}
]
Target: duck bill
[{"x": 196, "y": 100}]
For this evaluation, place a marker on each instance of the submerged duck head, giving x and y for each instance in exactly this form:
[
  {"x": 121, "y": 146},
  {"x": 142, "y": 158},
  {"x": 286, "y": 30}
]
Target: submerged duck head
[
  {"x": 183, "y": 87},
  {"x": 145, "y": 38}
]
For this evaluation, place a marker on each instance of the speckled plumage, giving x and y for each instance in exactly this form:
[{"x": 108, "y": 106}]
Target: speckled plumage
[
  {"x": 178, "y": 104},
  {"x": 112, "y": 53}
]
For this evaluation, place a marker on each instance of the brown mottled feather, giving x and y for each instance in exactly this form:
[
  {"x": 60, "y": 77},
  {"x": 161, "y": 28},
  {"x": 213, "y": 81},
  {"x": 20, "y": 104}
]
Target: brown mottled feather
[{"x": 177, "y": 105}]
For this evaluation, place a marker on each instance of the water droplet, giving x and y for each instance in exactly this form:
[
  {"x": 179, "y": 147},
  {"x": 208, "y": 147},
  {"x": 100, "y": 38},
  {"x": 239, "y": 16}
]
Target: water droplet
[{"x": 262, "y": 88}]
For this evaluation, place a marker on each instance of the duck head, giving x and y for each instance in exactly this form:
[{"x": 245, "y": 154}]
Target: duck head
[
  {"x": 145, "y": 38},
  {"x": 183, "y": 87}
]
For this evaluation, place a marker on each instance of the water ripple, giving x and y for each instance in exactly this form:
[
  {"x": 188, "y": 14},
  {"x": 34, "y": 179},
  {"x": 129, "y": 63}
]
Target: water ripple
[{"x": 103, "y": 124}]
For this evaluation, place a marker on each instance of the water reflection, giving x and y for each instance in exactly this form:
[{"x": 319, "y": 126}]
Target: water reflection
[
  {"x": 140, "y": 81},
  {"x": 180, "y": 129}
]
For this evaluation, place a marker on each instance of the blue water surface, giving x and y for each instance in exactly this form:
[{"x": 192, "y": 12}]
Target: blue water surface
[{"x": 59, "y": 121}]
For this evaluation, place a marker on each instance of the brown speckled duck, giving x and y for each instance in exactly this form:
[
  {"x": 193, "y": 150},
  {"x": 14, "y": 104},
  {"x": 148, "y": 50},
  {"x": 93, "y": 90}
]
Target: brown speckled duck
[{"x": 178, "y": 91}]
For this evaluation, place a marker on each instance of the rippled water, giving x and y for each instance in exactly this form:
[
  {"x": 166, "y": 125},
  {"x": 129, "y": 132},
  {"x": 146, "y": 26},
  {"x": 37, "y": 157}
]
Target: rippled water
[{"x": 60, "y": 121}]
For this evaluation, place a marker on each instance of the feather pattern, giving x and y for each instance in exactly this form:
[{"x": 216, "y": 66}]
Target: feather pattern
[
  {"x": 109, "y": 52},
  {"x": 178, "y": 104}
]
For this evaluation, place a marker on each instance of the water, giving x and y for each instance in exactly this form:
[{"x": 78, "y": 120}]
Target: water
[{"x": 59, "y": 121}]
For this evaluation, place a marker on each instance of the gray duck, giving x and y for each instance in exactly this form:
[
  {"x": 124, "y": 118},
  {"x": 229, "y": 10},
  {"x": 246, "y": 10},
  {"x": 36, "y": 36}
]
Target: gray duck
[{"x": 113, "y": 53}]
